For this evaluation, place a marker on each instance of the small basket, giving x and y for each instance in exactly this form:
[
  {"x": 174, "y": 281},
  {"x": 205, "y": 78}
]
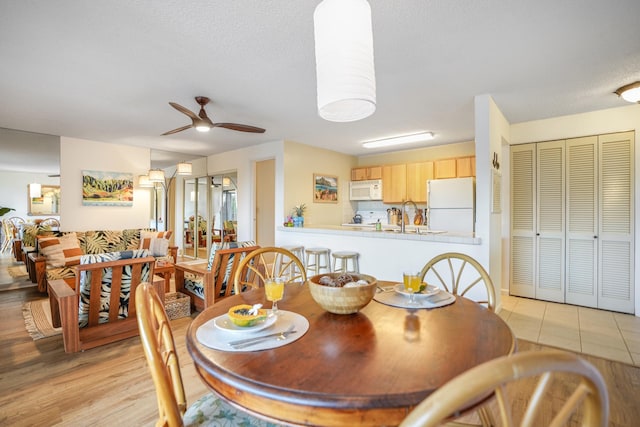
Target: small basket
[{"x": 177, "y": 305}]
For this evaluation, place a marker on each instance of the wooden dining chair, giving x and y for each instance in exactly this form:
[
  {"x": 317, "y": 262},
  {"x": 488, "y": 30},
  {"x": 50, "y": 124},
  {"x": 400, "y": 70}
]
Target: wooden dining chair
[
  {"x": 268, "y": 263},
  {"x": 568, "y": 388},
  {"x": 160, "y": 350},
  {"x": 460, "y": 274}
]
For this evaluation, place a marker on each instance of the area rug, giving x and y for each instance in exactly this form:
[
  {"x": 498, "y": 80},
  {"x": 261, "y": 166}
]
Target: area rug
[
  {"x": 17, "y": 271},
  {"x": 37, "y": 319}
]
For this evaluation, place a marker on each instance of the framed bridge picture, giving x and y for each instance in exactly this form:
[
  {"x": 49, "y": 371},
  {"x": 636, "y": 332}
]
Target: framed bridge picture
[{"x": 325, "y": 188}]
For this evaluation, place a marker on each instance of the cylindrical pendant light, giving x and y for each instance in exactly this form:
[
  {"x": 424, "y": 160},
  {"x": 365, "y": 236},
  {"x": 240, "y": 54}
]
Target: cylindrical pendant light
[
  {"x": 345, "y": 72},
  {"x": 35, "y": 190}
]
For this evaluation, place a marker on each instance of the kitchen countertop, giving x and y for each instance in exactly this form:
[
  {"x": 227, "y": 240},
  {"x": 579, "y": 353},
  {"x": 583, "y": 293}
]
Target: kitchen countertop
[{"x": 388, "y": 232}]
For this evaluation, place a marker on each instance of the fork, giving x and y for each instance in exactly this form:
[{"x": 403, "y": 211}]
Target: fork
[{"x": 251, "y": 341}]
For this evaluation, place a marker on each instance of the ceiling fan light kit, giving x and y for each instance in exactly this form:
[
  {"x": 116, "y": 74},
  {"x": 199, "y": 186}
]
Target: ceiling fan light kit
[
  {"x": 202, "y": 123},
  {"x": 345, "y": 73},
  {"x": 630, "y": 92},
  {"x": 398, "y": 140}
]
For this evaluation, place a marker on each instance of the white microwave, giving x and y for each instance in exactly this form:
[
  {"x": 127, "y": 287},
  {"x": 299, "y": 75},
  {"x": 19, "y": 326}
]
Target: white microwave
[{"x": 365, "y": 190}]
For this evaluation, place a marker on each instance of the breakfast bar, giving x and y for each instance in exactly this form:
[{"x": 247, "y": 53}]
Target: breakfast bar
[{"x": 386, "y": 253}]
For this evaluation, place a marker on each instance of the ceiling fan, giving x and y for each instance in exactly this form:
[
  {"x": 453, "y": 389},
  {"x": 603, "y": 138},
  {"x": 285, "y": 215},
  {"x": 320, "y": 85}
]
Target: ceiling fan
[{"x": 202, "y": 123}]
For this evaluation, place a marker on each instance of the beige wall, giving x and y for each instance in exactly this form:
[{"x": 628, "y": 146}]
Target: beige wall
[
  {"x": 459, "y": 149},
  {"x": 77, "y": 155},
  {"x": 300, "y": 163}
]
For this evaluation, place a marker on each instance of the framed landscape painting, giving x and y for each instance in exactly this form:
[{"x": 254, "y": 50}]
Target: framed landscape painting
[
  {"x": 107, "y": 188},
  {"x": 325, "y": 188}
]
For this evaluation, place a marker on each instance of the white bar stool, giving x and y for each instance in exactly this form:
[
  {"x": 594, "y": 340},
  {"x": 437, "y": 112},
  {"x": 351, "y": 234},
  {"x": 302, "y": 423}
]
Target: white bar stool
[
  {"x": 317, "y": 260},
  {"x": 344, "y": 257},
  {"x": 299, "y": 252}
]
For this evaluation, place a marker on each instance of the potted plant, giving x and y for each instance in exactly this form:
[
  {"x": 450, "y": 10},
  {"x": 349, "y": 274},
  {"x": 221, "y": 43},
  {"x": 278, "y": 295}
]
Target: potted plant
[{"x": 298, "y": 215}]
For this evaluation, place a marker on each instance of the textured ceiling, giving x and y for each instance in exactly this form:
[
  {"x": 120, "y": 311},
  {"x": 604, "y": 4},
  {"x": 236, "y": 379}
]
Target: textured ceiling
[{"x": 105, "y": 71}]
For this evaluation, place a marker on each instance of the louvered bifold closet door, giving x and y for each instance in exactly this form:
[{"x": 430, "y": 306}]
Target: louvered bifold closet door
[
  {"x": 616, "y": 209},
  {"x": 523, "y": 229},
  {"x": 550, "y": 221},
  {"x": 582, "y": 221}
]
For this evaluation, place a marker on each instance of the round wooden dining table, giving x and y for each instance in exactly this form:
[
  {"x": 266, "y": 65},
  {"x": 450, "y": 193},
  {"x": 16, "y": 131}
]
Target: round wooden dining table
[{"x": 367, "y": 368}]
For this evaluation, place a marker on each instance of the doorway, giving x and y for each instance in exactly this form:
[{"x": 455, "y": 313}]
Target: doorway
[{"x": 264, "y": 216}]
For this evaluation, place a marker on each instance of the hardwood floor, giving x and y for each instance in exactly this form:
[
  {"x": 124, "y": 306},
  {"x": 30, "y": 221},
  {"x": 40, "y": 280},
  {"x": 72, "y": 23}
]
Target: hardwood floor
[{"x": 41, "y": 385}]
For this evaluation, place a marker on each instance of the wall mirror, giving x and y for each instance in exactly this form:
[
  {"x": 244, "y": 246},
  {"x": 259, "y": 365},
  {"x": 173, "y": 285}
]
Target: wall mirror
[{"x": 44, "y": 200}]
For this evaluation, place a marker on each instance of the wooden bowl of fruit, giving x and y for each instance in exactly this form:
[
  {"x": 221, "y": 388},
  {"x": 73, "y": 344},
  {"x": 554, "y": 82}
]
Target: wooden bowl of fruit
[{"x": 342, "y": 293}]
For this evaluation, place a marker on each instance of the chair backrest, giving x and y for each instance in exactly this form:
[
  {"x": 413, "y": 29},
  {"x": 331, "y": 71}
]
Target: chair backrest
[
  {"x": 459, "y": 274},
  {"x": 268, "y": 263},
  {"x": 105, "y": 282},
  {"x": 589, "y": 396},
  {"x": 50, "y": 222},
  {"x": 225, "y": 264},
  {"x": 162, "y": 357}
]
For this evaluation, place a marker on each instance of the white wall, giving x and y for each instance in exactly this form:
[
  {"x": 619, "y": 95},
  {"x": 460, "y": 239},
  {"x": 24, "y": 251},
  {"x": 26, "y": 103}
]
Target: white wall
[
  {"x": 77, "y": 155},
  {"x": 243, "y": 162},
  {"x": 594, "y": 123},
  {"x": 13, "y": 191}
]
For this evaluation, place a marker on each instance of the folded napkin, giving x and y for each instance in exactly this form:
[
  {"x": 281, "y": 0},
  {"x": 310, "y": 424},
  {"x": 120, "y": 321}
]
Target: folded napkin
[
  {"x": 395, "y": 299},
  {"x": 217, "y": 338}
]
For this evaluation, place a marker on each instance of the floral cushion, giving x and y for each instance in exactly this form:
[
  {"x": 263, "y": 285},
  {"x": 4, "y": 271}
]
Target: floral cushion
[
  {"x": 211, "y": 411},
  {"x": 105, "y": 293},
  {"x": 68, "y": 274},
  {"x": 29, "y": 233},
  {"x": 194, "y": 283}
]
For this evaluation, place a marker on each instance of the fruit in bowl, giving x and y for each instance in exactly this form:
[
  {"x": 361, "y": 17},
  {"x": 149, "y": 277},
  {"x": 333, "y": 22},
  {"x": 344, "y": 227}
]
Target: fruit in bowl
[
  {"x": 246, "y": 315},
  {"x": 342, "y": 293}
]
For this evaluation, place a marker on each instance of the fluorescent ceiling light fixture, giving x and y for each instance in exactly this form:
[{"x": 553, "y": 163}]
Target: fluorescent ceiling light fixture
[
  {"x": 397, "y": 140},
  {"x": 143, "y": 181},
  {"x": 630, "y": 92},
  {"x": 184, "y": 168},
  {"x": 35, "y": 190},
  {"x": 156, "y": 175},
  {"x": 346, "y": 80}
]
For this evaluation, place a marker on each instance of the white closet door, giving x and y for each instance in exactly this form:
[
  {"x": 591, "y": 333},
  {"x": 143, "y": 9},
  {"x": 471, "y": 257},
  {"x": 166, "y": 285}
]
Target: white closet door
[
  {"x": 616, "y": 211},
  {"x": 582, "y": 221},
  {"x": 550, "y": 221},
  {"x": 523, "y": 229}
]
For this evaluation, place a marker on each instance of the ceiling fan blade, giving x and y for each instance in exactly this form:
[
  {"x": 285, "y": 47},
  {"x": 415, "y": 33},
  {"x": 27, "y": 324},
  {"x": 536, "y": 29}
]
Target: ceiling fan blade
[
  {"x": 241, "y": 128},
  {"x": 183, "y": 110},
  {"x": 178, "y": 130}
]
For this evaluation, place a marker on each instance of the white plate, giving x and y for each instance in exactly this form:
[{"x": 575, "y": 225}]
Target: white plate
[
  {"x": 427, "y": 292},
  {"x": 223, "y": 322}
]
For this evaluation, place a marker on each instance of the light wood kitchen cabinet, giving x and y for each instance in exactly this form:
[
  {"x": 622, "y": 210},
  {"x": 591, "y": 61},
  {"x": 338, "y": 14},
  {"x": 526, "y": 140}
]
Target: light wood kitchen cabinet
[
  {"x": 444, "y": 168},
  {"x": 365, "y": 173},
  {"x": 394, "y": 183},
  {"x": 465, "y": 166},
  {"x": 417, "y": 176}
]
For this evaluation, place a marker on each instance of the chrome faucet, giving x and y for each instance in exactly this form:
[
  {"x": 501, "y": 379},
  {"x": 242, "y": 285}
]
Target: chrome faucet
[{"x": 403, "y": 213}]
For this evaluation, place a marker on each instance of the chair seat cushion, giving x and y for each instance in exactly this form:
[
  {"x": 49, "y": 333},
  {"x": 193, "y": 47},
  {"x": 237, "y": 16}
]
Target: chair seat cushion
[{"x": 211, "y": 411}]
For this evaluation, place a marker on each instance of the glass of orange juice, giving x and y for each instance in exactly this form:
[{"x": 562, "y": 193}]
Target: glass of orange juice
[
  {"x": 274, "y": 290},
  {"x": 412, "y": 283}
]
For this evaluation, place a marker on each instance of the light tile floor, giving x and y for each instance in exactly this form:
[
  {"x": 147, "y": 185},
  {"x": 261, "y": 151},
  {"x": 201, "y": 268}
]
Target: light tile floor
[{"x": 605, "y": 334}]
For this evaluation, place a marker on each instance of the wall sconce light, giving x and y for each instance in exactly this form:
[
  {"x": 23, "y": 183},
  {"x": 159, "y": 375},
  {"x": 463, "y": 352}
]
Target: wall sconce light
[
  {"x": 345, "y": 73},
  {"x": 630, "y": 92},
  {"x": 404, "y": 139},
  {"x": 35, "y": 190}
]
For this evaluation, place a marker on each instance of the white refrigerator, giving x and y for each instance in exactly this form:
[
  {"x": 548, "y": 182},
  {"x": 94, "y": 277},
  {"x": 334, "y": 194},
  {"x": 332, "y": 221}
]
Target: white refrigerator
[{"x": 451, "y": 204}]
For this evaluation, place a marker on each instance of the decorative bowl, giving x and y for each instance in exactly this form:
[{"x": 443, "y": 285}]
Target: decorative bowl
[{"x": 342, "y": 300}]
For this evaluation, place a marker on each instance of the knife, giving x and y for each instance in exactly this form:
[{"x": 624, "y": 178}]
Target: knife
[{"x": 260, "y": 338}]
